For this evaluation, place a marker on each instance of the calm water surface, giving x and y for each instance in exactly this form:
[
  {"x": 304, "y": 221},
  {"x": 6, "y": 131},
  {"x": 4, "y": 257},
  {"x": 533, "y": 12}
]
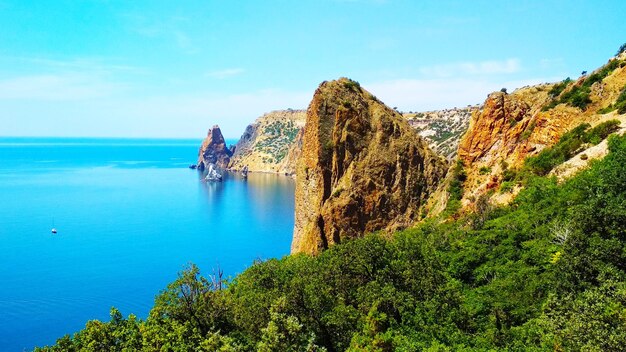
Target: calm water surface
[{"x": 129, "y": 215}]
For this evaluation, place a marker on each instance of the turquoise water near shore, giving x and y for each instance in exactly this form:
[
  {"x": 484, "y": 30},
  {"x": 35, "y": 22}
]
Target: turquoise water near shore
[{"x": 130, "y": 215}]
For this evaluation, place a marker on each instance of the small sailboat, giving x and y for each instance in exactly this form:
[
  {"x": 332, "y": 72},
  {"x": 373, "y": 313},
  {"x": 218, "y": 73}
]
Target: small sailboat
[
  {"x": 244, "y": 172},
  {"x": 54, "y": 229}
]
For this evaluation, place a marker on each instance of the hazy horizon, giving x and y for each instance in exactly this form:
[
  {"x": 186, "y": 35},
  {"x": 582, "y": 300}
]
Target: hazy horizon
[{"x": 158, "y": 69}]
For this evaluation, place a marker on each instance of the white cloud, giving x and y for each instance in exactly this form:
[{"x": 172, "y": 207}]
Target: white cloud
[
  {"x": 484, "y": 68},
  {"x": 225, "y": 73}
]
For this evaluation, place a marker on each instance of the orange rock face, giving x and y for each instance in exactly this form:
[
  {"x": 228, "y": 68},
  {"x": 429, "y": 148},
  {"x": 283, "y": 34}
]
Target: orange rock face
[
  {"x": 362, "y": 169},
  {"x": 499, "y": 124},
  {"x": 511, "y": 127}
]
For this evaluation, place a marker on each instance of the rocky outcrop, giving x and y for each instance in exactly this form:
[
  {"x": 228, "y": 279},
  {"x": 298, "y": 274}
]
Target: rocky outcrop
[
  {"x": 362, "y": 169},
  {"x": 214, "y": 150},
  {"x": 512, "y": 127},
  {"x": 269, "y": 144}
]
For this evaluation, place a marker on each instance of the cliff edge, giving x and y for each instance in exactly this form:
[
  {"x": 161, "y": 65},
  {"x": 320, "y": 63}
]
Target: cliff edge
[
  {"x": 362, "y": 169},
  {"x": 266, "y": 145}
]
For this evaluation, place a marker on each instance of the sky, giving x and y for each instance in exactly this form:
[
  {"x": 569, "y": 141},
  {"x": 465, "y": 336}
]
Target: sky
[{"x": 173, "y": 69}]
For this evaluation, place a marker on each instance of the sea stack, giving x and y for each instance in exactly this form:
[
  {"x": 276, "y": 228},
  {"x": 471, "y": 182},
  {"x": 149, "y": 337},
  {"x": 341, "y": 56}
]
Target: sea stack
[
  {"x": 362, "y": 169},
  {"x": 214, "y": 150}
]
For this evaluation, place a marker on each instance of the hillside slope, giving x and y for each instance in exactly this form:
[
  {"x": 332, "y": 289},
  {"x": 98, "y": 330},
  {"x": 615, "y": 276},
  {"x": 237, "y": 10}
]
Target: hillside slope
[
  {"x": 512, "y": 127},
  {"x": 266, "y": 144}
]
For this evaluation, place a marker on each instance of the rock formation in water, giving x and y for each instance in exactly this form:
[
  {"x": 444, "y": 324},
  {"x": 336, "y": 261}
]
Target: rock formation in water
[
  {"x": 362, "y": 169},
  {"x": 214, "y": 150},
  {"x": 266, "y": 145}
]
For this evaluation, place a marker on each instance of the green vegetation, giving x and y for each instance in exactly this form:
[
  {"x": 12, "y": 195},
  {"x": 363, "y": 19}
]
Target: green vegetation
[
  {"x": 507, "y": 186},
  {"x": 484, "y": 170},
  {"x": 568, "y": 146},
  {"x": 547, "y": 273},
  {"x": 621, "y": 49},
  {"x": 579, "y": 95},
  {"x": 558, "y": 88},
  {"x": 280, "y": 135},
  {"x": 352, "y": 85},
  {"x": 455, "y": 189}
]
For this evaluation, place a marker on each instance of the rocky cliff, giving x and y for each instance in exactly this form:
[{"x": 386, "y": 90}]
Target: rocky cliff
[
  {"x": 269, "y": 144},
  {"x": 362, "y": 169},
  {"x": 214, "y": 150},
  {"x": 511, "y": 127}
]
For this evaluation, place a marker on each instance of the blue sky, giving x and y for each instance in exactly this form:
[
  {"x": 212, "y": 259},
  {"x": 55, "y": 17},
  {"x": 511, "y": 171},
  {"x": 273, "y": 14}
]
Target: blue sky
[{"x": 150, "y": 68}]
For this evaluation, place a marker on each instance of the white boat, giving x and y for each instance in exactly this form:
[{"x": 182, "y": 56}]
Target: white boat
[
  {"x": 53, "y": 230},
  {"x": 212, "y": 175}
]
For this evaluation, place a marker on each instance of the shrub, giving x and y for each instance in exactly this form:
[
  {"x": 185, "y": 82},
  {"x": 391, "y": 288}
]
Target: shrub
[
  {"x": 507, "y": 186},
  {"x": 456, "y": 188},
  {"x": 558, "y": 88},
  {"x": 621, "y": 49},
  {"x": 569, "y": 144},
  {"x": 579, "y": 95},
  {"x": 600, "y": 132},
  {"x": 352, "y": 85},
  {"x": 484, "y": 170}
]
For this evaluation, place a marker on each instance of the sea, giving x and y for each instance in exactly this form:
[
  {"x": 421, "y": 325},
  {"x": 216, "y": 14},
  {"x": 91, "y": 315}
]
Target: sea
[{"x": 130, "y": 216}]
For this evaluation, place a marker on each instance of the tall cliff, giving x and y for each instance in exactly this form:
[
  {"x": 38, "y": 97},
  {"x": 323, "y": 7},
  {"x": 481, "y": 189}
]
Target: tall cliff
[
  {"x": 214, "y": 150},
  {"x": 512, "y": 127},
  {"x": 362, "y": 169},
  {"x": 269, "y": 144}
]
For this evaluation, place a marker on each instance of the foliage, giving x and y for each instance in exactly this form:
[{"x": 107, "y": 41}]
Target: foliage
[
  {"x": 352, "y": 85},
  {"x": 569, "y": 144},
  {"x": 558, "y": 88},
  {"x": 546, "y": 273},
  {"x": 621, "y": 49},
  {"x": 484, "y": 170},
  {"x": 455, "y": 188},
  {"x": 579, "y": 95}
]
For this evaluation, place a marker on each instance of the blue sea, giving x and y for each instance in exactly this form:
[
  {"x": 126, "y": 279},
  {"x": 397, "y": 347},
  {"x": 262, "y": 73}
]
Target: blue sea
[{"x": 130, "y": 215}]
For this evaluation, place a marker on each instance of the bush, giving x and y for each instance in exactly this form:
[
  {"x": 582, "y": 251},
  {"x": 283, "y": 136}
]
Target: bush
[
  {"x": 601, "y": 131},
  {"x": 558, "y": 88},
  {"x": 621, "y": 49},
  {"x": 507, "y": 186},
  {"x": 569, "y": 144},
  {"x": 579, "y": 95},
  {"x": 352, "y": 85},
  {"x": 455, "y": 189}
]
